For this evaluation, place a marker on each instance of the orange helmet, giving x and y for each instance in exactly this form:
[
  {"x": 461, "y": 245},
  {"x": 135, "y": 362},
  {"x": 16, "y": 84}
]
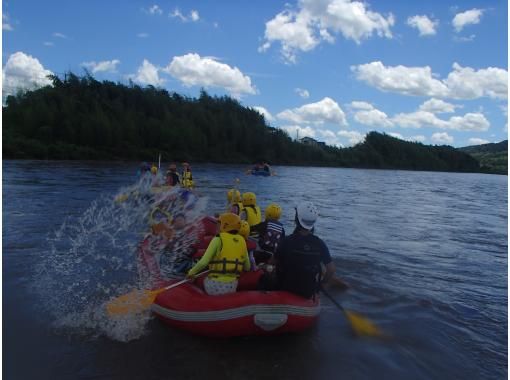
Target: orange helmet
[
  {"x": 249, "y": 199},
  {"x": 229, "y": 222},
  {"x": 244, "y": 231}
]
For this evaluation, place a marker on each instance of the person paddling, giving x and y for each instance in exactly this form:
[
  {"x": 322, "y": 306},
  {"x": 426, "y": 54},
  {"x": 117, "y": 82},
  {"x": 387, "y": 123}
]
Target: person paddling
[
  {"x": 226, "y": 256},
  {"x": 299, "y": 257}
]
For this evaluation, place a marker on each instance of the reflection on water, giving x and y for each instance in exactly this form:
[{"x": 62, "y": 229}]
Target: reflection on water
[{"x": 425, "y": 254}]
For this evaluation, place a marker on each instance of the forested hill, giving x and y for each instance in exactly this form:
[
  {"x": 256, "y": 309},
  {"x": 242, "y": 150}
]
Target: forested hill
[
  {"x": 493, "y": 157},
  {"x": 82, "y": 118}
]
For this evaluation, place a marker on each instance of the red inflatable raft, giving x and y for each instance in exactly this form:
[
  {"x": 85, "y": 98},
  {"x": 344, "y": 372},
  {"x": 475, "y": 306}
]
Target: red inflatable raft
[{"x": 246, "y": 312}]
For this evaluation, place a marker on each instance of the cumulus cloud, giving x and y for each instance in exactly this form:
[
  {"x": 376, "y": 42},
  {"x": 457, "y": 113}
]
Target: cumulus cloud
[
  {"x": 103, "y": 66},
  {"x": 23, "y": 72},
  {"x": 367, "y": 114},
  {"x": 477, "y": 141},
  {"x": 302, "y": 92},
  {"x": 193, "y": 15},
  {"x": 470, "y": 17},
  {"x": 353, "y": 137},
  {"x": 193, "y": 70},
  {"x": 425, "y": 25},
  {"x": 442, "y": 138},
  {"x": 468, "y": 83},
  {"x": 303, "y": 29},
  {"x": 297, "y": 131},
  {"x": 148, "y": 74},
  {"x": 461, "y": 83},
  {"x": 438, "y": 106},
  {"x": 6, "y": 25},
  {"x": 322, "y": 112},
  {"x": 420, "y": 119},
  {"x": 264, "y": 112}
]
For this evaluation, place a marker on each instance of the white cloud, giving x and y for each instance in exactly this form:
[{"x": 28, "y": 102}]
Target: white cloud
[
  {"x": 193, "y": 15},
  {"x": 361, "y": 105},
  {"x": 302, "y": 92},
  {"x": 396, "y": 135},
  {"x": 148, "y": 74},
  {"x": 6, "y": 23},
  {"x": 438, "y": 106},
  {"x": 477, "y": 141},
  {"x": 370, "y": 116},
  {"x": 352, "y": 136},
  {"x": 296, "y": 130},
  {"x": 417, "y": 138},
  {"x": 322, "y": 112},
  {"x": 142, "y": 35},
  {"x": 103, "y": 66},
  {"x": 468, "y": 83},
  {"x": 48, "y": 43},
  {"x": 193, "y": 70},
  {"x": 461, "y": 83},
  {"x": 155, "y": 10},
  {"x": 267, "y": 115},
  {"x": 442, "y": 138},
  {"x": 401, "y": 79},
  {"x": 419, "y": 119},
  {"x": 425, "y": 26},
  {"x": 329, "y": 137},
  {"x": 466, "y": 18},
  {"x": 60, "y": 35},
  {"x": 23, "y": 72},
  {"x": 317, "y": 21}
]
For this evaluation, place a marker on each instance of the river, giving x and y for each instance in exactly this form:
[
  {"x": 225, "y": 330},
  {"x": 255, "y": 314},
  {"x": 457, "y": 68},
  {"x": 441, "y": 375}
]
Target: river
[{"x": 425, "y": 254}]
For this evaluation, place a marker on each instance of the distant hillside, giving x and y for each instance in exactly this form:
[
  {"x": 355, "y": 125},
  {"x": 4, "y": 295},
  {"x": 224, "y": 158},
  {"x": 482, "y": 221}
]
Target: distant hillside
[
  {"x": 80, "y": 118},
  {"x": 493, "y": 157}
]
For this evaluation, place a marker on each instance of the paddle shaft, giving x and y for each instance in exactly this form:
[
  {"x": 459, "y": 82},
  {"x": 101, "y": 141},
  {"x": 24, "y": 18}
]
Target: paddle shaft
[{"x": 340, "y": 307}]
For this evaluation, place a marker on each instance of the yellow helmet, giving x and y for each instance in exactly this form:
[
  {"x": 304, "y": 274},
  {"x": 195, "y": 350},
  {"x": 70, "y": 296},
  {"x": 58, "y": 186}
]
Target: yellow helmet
[
  {"x": 154, "y": 169},
  {"x": 233, "y": 196},
  {"x": 244, "y": 231},
  {"x": 229, "y": 222},
  {"x": 249, "y": 199},
  {"x": 273, "y": 212}
]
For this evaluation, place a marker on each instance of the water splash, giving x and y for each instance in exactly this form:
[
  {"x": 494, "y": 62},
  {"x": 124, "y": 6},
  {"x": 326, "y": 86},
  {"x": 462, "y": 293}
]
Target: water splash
[{"x": 93, "y": 258}]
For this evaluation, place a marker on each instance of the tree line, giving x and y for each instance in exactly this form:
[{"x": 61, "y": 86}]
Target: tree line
[{"x": 81, "y": 118}]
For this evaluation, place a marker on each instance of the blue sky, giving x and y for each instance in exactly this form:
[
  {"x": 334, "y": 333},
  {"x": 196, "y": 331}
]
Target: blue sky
[{"x": 334, "y": 70}]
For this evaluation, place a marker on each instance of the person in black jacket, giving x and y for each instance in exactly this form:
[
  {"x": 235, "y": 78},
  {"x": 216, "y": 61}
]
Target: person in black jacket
[{"x": 299, "y": 258}]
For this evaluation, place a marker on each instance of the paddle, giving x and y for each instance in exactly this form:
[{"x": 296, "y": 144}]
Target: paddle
[
  {"x": 359, "y": 324},
  {"x": 138, "y": 300}
]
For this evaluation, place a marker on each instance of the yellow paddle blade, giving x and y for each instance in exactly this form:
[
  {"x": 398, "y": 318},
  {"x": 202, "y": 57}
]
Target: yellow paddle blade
[
  {"x": 133, "y": 302},
  {"x": 361, "y": 325}
]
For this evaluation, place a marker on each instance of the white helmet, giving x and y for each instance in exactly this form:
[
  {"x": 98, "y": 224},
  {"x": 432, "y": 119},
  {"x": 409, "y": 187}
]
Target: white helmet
[{"x": 307, "y": 214}]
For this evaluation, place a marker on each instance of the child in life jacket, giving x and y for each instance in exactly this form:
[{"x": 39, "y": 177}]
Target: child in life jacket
[
  {"x": 235, "y": 206},
  {"x": 226, "y": 256},
  {"x": 251, "y": 245},
  {"x": 251, "y": 212},
  {"x": 271, "y": 233}
]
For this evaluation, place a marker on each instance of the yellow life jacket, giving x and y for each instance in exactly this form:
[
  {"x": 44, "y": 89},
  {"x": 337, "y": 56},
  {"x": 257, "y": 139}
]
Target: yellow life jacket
[
  {"x": 253, "y": 215},
  {"x": 230, "y": 259},
  {"x": 187, "y": 179}
]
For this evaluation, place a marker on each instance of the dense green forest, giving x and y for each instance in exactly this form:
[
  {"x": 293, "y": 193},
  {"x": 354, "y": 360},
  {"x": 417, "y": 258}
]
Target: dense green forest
[
  {"x": 493, "y": 157},
  {"x": 82, "y": 118}
]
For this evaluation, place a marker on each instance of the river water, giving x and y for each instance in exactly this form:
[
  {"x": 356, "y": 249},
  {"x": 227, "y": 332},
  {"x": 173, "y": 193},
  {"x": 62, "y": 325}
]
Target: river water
[{"x": 425, "y": 255}]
